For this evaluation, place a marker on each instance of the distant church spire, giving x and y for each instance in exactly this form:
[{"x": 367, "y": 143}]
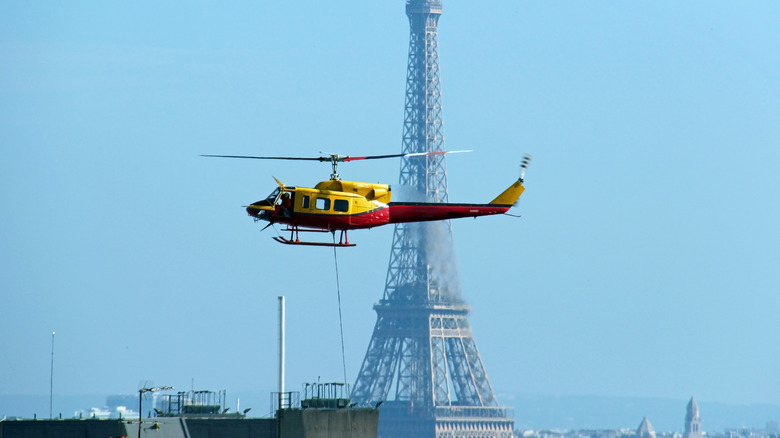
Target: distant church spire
[
  {"x": 692, "y": 421},
  {"x": 645, "y": 429}
]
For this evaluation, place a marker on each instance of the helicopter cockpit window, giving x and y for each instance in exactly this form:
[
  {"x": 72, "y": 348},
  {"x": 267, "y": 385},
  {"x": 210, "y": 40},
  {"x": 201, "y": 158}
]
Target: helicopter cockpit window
[
  {"x": 270, "y": 201},
  {"x": 305, "y": 201},
  {"x": 273, "y": 196},
  {"x": 322, "y": 204}
]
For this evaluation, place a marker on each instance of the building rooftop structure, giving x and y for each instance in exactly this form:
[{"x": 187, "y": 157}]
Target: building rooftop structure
[
  {"x": 692, "y": 421},
  {"x": 323, "y": 413},
  {"x": 645, "y": 429}
]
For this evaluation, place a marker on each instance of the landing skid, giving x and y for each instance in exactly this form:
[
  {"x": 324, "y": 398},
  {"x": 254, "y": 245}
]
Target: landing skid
[
  {"x": 295, "y": 240},
  {"x": 299, "y": 242}
]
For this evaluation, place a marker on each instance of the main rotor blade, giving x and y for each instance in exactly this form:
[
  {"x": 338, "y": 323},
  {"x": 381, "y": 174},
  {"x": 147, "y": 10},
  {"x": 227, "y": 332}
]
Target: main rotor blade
[
  {"x": 413, "y": 154},
  {"x": 269, "y": 158},
  {"x": 334, "y": 158},
  {"x": 373, "y": 157},
  {"x": 434, "y": 153}
]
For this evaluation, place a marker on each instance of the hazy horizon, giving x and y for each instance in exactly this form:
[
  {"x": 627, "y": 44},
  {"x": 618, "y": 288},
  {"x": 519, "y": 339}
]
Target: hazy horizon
[{"x": 532, "y": 411}]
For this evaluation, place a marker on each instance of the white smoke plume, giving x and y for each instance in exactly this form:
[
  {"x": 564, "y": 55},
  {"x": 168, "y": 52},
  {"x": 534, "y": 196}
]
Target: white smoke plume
[{"x": 435, "y": 238}]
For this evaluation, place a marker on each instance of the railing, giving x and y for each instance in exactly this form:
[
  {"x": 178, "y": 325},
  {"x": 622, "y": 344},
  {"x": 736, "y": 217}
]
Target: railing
[
  {"x": 285, "y": 400},
  {"x": 475, "y": 411}
]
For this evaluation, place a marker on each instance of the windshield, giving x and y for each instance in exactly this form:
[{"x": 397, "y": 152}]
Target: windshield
[{"x": 273, "y": 196}]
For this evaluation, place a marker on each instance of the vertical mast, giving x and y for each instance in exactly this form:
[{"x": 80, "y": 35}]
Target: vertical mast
[
  {"x": 51, "y": 380},
  {"x": 281, "y": 351}
]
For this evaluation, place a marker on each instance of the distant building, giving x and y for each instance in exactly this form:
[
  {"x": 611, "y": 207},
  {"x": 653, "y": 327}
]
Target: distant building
[
  {"x": 692, "y": 421},
  {"x": 645, "y": 429}
]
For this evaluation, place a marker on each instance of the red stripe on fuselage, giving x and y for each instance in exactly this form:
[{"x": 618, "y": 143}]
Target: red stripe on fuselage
[
  {"x": 395, "y": 212},
  {"x": 425, "y": 211}
]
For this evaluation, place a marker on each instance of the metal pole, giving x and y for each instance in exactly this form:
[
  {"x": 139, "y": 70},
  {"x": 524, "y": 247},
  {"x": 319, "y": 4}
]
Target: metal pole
[
  {"x": 281, "y": 350},
  {"x": 141, "y": 393},
  {"x": 140, "y": 419},
  {"x": 51, "y": 379}
]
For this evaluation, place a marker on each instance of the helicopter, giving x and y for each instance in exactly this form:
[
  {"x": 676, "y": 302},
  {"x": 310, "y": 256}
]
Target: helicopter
[{"x": 337, "y": 205}]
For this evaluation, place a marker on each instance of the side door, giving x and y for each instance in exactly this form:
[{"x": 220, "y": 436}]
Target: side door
[{"x": 303, "y": 203}]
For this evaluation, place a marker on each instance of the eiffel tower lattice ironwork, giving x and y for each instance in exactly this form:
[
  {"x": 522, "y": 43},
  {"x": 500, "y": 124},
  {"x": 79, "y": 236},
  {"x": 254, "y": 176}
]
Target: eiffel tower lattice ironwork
[{"x": 422, "y": 363}]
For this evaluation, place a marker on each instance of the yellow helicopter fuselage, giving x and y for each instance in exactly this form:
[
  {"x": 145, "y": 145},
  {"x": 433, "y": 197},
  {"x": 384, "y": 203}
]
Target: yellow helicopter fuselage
[
  {"x": 330, "y": 205},
  {"x": 346, "y": 205}
]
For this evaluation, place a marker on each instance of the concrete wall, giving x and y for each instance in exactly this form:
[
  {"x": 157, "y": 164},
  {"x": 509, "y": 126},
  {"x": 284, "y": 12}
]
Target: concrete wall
[
  {"x": 232, "y": 428},
  {"x": 161, "y": 427},
  {"x": 329, "y": 423},
  {"x": 63, "y": 429},
  {"x": 296, "y": 423}
]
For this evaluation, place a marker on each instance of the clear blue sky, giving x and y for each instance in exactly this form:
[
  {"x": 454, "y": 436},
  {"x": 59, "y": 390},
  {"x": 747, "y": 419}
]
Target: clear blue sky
[{"x": 645, "y": 262}]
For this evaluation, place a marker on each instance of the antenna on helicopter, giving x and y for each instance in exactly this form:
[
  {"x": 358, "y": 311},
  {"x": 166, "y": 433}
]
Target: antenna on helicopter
[{"x": 524, "y": 166}]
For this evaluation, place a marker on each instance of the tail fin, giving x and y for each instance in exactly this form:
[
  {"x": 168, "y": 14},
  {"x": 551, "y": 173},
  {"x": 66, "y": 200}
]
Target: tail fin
[{"x": 512, "y": 194}]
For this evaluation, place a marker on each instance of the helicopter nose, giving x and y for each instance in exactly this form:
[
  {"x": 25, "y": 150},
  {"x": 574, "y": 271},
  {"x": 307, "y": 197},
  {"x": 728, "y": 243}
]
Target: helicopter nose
[
  {"x": 253, "y": 211},
  {"x": 258, "y": 213}
]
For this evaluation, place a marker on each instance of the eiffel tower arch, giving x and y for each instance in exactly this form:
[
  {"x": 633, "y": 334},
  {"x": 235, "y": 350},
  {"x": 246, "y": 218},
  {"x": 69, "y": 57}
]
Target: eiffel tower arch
[{"x": 422, "y": 363}]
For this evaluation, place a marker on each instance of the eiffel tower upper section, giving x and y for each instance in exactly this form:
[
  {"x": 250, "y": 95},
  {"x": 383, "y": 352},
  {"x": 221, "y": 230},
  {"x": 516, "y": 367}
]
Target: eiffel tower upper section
[{"x": 412, "y": 274}]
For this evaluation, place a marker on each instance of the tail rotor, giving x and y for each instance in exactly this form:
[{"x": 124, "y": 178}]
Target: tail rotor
[{"x": 524, "y": 166}]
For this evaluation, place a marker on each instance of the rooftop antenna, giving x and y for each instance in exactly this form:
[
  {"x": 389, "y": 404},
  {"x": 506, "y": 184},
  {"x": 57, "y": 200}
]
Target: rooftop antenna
[
  {"x": 141, "y": 392},
  {"x": 51, "y": 379},
  {"x": 281, "y": 351}
]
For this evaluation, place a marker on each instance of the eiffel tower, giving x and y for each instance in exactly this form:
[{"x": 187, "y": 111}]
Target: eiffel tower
[{"x": 422, "y": 365}]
